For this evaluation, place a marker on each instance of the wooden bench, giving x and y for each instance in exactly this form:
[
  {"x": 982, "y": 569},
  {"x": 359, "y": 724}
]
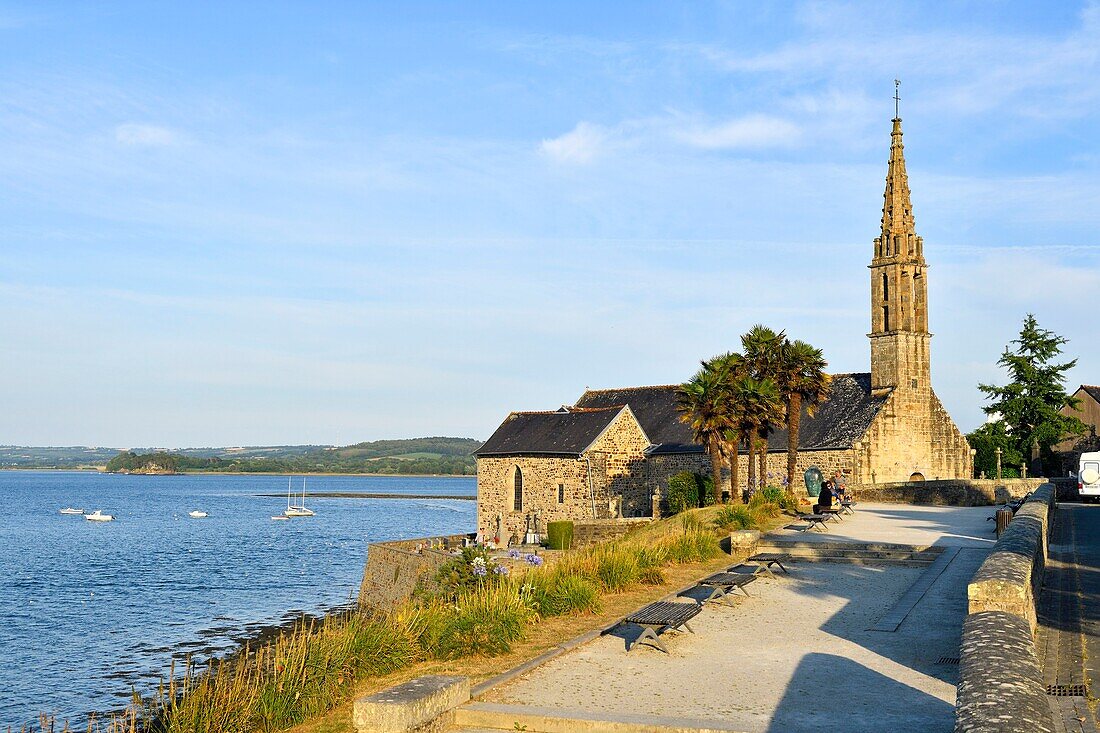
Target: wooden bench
[
  {"x": 659, "y": 617},
  {"x": 765, "y": 560},
  {"x": 831, "y": 514},
  {"x": 846, "y": 507},
  {"x": 812, "y": 521},
  {"x": 722, "y": 584}
]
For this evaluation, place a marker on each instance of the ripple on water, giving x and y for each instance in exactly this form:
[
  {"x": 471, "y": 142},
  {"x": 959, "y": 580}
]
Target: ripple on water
[{"x": 90, "y": 610}]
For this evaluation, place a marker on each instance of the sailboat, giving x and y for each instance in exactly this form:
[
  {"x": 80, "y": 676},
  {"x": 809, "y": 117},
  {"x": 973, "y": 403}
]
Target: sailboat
[{"x": 299, "y": 510}]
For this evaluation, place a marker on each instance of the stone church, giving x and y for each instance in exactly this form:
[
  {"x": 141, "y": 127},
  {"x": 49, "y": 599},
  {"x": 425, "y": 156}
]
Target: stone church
[{"x": 612, "y": 452}]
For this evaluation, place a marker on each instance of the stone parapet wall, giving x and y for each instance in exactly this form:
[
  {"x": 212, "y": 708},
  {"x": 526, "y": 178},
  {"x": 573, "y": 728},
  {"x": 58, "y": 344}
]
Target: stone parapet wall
[
  {"x": 1000, "y": 681},
  {"x": 1010, "y": 578},
  {"x": 1000, "y": 684},
  {"x": 394, "y": 569},
  {"x": 593, "y": 532},
  {"x": 949, "y": 492}
]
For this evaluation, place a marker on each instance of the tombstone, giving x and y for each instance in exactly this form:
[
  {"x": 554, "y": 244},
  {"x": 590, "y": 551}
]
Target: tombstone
[{"x": 813, "y": 478}]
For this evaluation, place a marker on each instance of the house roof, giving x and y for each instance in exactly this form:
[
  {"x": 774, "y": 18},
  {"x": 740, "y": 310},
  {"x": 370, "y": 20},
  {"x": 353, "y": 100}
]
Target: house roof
[
  {"x": 838, "y": 423},
  {"x": 562, "y": 432},
  {"x": 1092, "y": 390}
]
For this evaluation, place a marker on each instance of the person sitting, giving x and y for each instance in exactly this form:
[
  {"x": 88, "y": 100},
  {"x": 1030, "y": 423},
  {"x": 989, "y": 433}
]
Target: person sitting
[{"x": 825, "y": 498}]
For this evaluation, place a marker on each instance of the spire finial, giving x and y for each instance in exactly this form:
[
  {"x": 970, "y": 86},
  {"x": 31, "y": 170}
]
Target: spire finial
[{"x": 897, "y": 98}]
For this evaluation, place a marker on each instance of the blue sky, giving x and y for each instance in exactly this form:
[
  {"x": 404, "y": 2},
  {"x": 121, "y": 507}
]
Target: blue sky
[{"x": 326, "y": 223}]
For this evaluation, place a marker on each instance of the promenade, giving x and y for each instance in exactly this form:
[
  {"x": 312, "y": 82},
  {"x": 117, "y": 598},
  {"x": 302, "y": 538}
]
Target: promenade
[{"x": 830, "y": 647}]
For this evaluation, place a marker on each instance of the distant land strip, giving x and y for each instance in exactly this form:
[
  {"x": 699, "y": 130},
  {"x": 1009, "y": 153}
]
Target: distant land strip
[{"x": 361, "y": 495}]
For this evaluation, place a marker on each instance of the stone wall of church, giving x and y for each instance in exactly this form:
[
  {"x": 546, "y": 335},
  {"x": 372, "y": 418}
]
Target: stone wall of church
[
  {"x": 661, "y": 467},
  {"x": 913, "y": 434},
  {"x": 610, "y": 474}
]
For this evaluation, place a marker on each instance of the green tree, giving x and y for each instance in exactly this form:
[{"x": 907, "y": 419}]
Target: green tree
[
  {"x": 800, "y": 376},
  {"x": 703, "y": 406},
  {"x": 985, "y": 441},
  {"x": 762, "y": 349},
  {"x": 756, "y": 406},
  {"x": 1029, "y": 403}
]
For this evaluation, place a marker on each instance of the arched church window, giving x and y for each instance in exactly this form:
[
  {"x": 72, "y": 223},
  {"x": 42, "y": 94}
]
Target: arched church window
[
  {"x": 517, "y": 500},
  {"x": 885, "y": 286},
  {"x": 885, "y": 318}
]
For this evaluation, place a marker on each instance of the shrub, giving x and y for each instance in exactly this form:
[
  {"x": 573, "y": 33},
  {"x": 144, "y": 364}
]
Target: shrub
[
  {"x": 557, "y": 594},
  {"x": 617, "y": 567},
  {"x": 693, "y": 546},
  {"x": 683, "y": 492},
  {"x": 473, "y": 567},
  {"x": 559, "y": 535},
  {"x": 735, "y": 517},
  {"x": 485, "y": 621},
  {"x": 771, "y": 495}
]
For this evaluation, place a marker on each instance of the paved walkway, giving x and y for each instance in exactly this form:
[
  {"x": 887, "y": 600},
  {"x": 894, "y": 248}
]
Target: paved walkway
[
  {"x": 905, "y": 524},
  {"x": 1069, "y": 616},
  {"x": 801, "y": 654}
]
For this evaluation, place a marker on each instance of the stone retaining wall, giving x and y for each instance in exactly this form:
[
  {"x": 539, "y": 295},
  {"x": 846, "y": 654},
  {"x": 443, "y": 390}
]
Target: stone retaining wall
[
  {"x": 593, "y": 532},
  {"x": 1000, "y": 684},
  {"x": 1000, "y": 681},
  {"x": 950, "y": 492},
  {"x": 394, "y": 569}
]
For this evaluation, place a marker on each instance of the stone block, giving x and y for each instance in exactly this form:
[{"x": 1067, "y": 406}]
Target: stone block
[
  {"x": 411, "y": 705},
  {"x": 744, "y": 541}
]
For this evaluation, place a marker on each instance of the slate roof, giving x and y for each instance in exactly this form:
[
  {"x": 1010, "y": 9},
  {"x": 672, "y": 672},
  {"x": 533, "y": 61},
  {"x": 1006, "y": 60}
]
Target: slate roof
[
  {"x": 838, "y": 423},
  {"x": 1092, "y": 390},
  {"x": 563, "y": 432}
]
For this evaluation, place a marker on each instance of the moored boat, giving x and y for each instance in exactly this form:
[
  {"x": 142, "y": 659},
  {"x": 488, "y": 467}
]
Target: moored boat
[
  {"x": 99, "y": 516},
  {"x": 70, "y": 510},
  {"x": 198, "y": 514}
]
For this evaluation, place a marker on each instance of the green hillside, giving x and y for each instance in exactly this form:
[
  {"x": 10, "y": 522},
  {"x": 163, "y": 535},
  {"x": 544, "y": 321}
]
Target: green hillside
[{"x": 446, "y": 456}]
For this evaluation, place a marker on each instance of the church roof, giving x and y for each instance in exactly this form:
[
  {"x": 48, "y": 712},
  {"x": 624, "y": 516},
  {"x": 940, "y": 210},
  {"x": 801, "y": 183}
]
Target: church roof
[
  {"x": 837, "y": 424},
  {"x": 562, "y": 432}
]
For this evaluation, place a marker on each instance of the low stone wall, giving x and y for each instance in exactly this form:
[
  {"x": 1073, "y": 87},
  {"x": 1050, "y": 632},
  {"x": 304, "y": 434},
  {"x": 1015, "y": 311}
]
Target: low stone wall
[
  {"x": 394, "y": 569},
  {"x": 1010, "y": 578},
  {"x": 604, "y": 530},
  {"x": 949, "y": 492},
  {"x": 1000, "y": 681},
  {"x": 1000, "y": 684}
]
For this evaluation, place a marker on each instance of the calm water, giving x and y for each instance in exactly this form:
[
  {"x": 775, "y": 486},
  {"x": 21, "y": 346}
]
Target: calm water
[{"x": 88, "y": 608}]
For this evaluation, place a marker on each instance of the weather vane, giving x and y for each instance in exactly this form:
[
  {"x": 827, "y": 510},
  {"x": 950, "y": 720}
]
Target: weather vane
[{"x": 897, "y": 99}]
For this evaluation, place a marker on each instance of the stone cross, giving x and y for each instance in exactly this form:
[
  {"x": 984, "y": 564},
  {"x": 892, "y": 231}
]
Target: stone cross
[
  {"x": 998, "y": 452},
  {"x": 1023, "y": 470}
]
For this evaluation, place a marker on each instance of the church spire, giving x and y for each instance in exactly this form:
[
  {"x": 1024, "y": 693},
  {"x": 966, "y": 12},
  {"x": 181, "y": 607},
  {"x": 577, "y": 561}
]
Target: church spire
[{"x": 899, "y": 286}]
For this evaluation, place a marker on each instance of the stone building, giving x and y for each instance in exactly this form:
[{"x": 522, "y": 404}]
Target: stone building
[
  {"x": 614, "y": 449},
  {"x": 1088, "y": 412}
]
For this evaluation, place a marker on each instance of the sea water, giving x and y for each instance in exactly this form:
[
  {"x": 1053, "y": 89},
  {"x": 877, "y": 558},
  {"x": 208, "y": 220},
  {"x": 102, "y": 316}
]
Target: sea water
[{"x": 89, "y": 609}]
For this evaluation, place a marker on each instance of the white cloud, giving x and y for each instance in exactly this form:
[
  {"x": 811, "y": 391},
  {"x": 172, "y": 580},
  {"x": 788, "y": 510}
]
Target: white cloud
[
  {"x": 753, "y": 131},
  {"x": 147, "y": 136},
  {"x": 583, "y": 143}
]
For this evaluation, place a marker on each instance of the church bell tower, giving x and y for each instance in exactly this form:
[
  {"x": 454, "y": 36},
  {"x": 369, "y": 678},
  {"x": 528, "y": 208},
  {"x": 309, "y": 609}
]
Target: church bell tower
[{"x": 899, "y": 287}]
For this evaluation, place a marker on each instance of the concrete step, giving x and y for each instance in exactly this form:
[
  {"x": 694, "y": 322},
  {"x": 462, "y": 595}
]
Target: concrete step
[
  {"x": 853, "y": 552},
  {"x": 487, "y": 716}
]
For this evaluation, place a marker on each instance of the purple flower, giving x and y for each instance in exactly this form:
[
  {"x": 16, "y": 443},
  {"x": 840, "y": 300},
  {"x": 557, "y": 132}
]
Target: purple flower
[
  {"x": 500, "y": 570},
  {"x": 480, "y": 571},
  {"x": 513, "y": 553},
  {"x": 533, "y": 559}
]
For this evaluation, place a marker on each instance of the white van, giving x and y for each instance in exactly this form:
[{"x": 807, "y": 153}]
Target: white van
[{"x": 1088, "y": 475}]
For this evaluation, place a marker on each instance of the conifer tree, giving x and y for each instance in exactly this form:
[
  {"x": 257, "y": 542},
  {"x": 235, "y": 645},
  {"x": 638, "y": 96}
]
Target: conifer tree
[{"x": 1029, "y": 404}]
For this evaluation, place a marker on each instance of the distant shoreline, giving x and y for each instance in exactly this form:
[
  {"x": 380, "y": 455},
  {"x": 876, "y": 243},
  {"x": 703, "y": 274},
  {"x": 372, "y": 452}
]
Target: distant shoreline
[
  {"x": 362, "y": 495},
  {"x": 242, "y": 473}
]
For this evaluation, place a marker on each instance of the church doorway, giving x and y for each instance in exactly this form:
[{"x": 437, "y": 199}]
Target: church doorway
[{"x": 918, "y": 476}]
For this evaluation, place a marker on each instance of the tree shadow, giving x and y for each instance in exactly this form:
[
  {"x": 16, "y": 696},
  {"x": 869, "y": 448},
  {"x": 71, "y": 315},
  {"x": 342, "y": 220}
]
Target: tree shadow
[{"x": 834, "y": 693}]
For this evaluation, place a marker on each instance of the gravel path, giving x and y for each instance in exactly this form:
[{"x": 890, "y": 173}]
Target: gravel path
[{"x": 797, "y": 656}]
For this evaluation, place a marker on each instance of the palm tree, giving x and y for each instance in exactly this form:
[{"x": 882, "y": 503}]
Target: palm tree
[
  {"x": 759, "y": 406},
  {"x": 732, "y": 367},
  {"x": 762, "y": 348},
  {"x": 802, "y": 381},
  {"x": 703, "y": 405}
]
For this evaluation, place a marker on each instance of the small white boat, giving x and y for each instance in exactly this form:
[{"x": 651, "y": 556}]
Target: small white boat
[
  {"x": 299, "y": 510},
  {"x": 197, "y": 514},
  {"x": 70, "y": 510},
  {"x": 280, "y": 516},
  {"x": 99, "y": 516}
]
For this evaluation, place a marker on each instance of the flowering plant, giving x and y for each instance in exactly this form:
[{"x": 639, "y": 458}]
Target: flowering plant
[{"x": 533, "y": 559}]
